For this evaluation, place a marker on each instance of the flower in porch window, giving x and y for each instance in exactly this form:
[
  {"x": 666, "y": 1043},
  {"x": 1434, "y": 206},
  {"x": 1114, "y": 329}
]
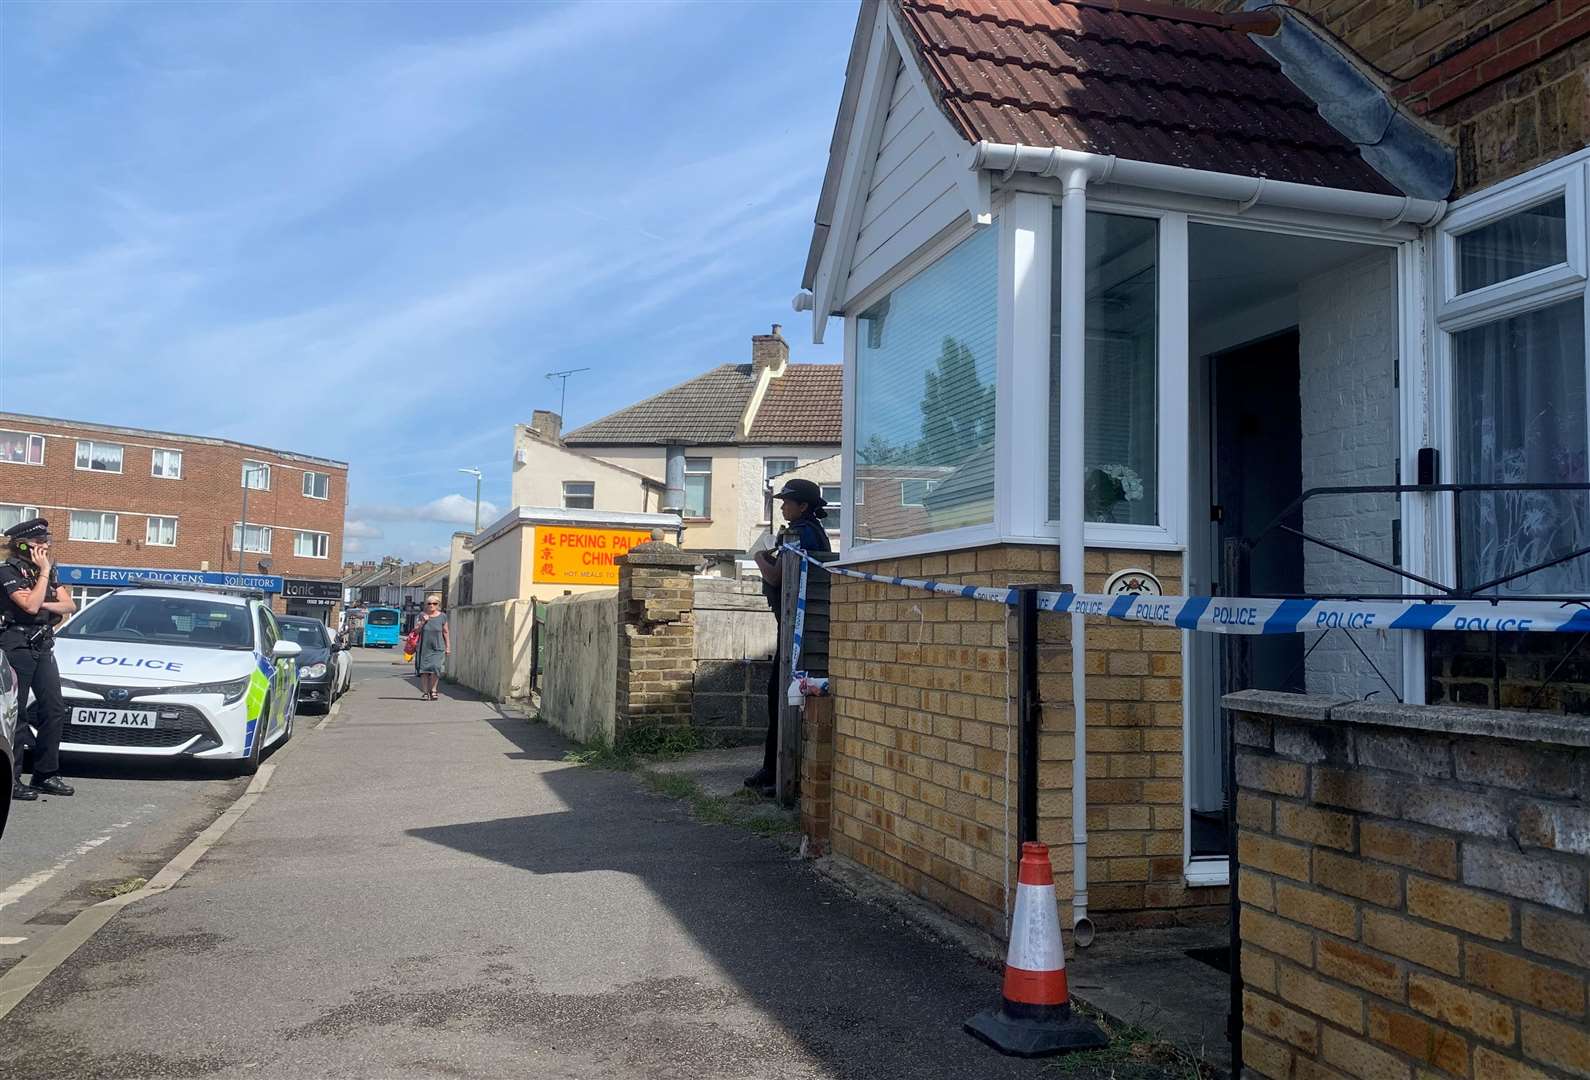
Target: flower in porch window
[{"x": 1108, "y": 486}]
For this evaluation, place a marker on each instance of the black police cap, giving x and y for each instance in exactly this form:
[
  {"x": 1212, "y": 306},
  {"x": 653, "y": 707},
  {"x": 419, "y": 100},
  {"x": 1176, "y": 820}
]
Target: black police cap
[
  {"x": 33, "y": 530},
  {"x": 802, "y": 491}
]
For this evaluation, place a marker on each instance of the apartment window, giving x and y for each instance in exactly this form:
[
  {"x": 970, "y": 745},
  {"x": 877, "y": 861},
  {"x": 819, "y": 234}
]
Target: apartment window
[
  {"x": 12, "y": 514},
  {"x": 258, "y": 538},
  {"x": 317, "y": 485},
  {"x": 161, "y": 532},
  {"x": 698, "y": 487},
  {"x": 21, "y": 448},
  {"x": 833, "y": 495},
  {"x": 915, "y": 492},
  {"x": 1121, "y": 452},
  {"x": 579, "y": 494},
  {"x": 1513, "y": 277},
  {"x": 925, "y": 378},
  {"x": 257, "y": 475},
  {"x": 312, "y": 545},
  {"x": 92, "y": 526},
  {"x": 772, "y": 468},
  {"x": 166, "y": 464},
  {"x": 98, "y": 456}
]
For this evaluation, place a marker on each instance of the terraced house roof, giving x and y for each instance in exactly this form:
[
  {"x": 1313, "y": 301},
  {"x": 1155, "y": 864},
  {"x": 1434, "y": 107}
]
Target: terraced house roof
[
  {"x": 800, "y": 405},
  {"x": 1141, "y": 80}
]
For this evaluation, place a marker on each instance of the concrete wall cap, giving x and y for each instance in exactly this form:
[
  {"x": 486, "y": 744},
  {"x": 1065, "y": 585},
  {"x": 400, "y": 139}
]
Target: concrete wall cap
[
  {"x": 1549, "y": 728},
  {"x": 659, "y": 553},
  {"x": 1276, "y": 703},
  {"x": 595, "y": 596}
]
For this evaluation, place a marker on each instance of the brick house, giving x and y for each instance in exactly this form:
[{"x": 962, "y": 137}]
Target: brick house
[
  {"x": 1120, "y": 281},
  {"x": 125, "y": 503}
]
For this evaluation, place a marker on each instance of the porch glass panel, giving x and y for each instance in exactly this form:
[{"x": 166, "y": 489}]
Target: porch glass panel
[
  {"x": 925, "y": 378},
  {"x": 1518, "y": 244},
  {"x": 1121, "y": 440},
  {"x": 1520, "y": 396}
]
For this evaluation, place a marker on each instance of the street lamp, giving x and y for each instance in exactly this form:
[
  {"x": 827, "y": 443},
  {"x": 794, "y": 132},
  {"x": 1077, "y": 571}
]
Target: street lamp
[{"x": 476, "y": 474}]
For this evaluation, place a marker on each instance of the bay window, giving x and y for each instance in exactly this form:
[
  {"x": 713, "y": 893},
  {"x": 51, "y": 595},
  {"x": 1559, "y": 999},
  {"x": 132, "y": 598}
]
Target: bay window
[
  {"x": 925, "y": 396},
  {"x": 1512, "y": 272}
]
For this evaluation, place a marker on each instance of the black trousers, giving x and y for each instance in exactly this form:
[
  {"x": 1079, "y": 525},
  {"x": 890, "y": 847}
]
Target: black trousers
[
  {"x": 38, "y": 677},
  {"x": 775, "y": 694}
]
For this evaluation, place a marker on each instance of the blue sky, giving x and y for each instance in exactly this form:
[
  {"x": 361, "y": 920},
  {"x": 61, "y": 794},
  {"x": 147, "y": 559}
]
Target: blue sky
[{"x": 367, "y": 231}]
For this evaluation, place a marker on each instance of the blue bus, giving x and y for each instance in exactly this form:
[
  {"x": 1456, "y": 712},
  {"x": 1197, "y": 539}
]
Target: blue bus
[{"x": 381, "y": 627}]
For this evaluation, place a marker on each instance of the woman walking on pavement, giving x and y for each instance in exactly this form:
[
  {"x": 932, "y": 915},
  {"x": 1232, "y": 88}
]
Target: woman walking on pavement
[{"x": 436, "y": 645}]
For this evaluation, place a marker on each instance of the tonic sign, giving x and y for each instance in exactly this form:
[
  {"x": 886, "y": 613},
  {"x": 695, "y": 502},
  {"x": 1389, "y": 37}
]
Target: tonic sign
[{"x": 573, "y": 556}]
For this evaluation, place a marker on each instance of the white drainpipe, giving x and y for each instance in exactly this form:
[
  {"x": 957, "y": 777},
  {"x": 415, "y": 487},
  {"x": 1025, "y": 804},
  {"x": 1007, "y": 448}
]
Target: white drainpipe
[
  {"x": 1073, "y": 383},
  {"x": 1246, "y": 191}
]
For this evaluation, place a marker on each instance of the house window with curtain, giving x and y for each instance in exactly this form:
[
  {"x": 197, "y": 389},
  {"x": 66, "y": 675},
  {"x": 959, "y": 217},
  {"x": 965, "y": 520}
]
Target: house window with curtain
[
  {"x": 1513, "y": 311},
  {"x": 833, "y": 495},
  {"x": 166, "y": 464},
  {"x": 98, "y": 456},
  {"x": 92, "y": 527},
  {"x": 698, "y": 487},
  {"x": 161, "y": 532},
  {"x": 1121, "y": 441},
  {"x": 12, "y": 514},
  {"x": 773, "y": 467},
  {"x": 252, "y": 538},
  {"x": 924, "y": 396}
]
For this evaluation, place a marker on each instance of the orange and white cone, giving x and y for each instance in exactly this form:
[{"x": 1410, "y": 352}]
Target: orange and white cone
[{"x": 1035, "y": 1017}]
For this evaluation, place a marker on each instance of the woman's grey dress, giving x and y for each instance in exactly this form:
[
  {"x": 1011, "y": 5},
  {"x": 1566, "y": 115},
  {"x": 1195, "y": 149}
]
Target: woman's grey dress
[{"x": 433, "y": 651}]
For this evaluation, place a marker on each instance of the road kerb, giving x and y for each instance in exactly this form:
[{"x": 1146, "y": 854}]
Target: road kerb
[
  {"x": 18, "y": 982},
  {"x": 336, "y": 707}
]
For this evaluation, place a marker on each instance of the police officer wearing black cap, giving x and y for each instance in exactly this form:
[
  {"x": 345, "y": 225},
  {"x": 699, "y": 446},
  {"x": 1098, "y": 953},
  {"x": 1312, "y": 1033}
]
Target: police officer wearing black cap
[
  {"x": 32, "y": 601},
  {"x": 801, "y": 503}
]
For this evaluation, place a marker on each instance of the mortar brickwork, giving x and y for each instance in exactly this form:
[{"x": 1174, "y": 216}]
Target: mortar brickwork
[
  {"x": 921, "y": 732},
  {"x": 1413, "y": 883},
  {"x": 656, "y": 639},
  {"x": 1507, "y": 82}
]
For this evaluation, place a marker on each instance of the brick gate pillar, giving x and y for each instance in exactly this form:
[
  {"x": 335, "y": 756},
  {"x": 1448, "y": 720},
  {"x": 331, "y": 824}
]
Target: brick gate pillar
[{"x": 656, "y": 636}]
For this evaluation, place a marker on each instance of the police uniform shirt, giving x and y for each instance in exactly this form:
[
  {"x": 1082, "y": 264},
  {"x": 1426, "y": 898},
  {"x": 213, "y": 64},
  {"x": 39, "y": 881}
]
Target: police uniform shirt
[
  {"x": 806, "y": 533},
  {"x": 18, "y": 575}
]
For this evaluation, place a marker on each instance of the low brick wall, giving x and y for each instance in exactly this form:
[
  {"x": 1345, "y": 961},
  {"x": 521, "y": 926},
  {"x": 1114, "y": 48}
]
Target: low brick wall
[{"x": 1414, "y": 890}]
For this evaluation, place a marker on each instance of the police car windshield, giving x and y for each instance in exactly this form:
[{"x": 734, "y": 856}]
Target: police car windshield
[
  {"x": 165, "y": 620},
  {"x": 311, "y": 635}
]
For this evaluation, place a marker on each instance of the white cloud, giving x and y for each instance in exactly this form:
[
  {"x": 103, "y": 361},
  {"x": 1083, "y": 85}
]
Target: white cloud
[
  {"x": 360, "y": 529},
  {"x": 448, "y": 510}
]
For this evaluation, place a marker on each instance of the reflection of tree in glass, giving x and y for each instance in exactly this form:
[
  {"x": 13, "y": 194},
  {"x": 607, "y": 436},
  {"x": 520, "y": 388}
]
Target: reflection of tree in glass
[
  {"x": 880, "y": 451},
  {"x": 957, "y": 409}
]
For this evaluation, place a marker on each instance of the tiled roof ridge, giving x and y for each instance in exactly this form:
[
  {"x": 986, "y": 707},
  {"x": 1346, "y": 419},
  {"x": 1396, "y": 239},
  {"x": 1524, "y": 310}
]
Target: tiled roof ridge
[{"x": 743, "y": 369}]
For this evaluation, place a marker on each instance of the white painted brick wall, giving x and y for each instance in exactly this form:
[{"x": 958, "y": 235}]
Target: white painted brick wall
[{"x": 1347, "y": 325}]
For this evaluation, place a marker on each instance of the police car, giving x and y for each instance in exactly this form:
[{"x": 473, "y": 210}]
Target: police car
[{"x": 168, "y": 672}]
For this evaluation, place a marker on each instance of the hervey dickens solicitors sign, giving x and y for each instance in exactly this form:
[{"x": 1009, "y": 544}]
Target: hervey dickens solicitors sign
[{"x": 106, "y": 577}]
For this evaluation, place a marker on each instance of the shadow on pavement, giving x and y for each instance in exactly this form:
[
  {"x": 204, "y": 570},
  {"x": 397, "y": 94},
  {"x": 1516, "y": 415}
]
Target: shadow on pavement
[{"x": 856, "y": 987}]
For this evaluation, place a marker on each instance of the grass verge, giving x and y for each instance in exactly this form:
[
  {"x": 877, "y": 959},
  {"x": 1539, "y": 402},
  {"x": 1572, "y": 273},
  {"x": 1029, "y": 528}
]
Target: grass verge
[{"x": 1134, "y": 1053}]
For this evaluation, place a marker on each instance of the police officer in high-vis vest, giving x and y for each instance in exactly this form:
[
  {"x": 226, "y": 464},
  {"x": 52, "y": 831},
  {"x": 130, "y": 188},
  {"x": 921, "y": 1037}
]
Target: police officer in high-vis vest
[{"x": 32, "y": 601}]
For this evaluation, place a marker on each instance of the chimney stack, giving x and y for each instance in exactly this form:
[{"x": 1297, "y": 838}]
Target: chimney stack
[
  {"x": 769, "y": 351},
  {"x": 548, "y": 425}
]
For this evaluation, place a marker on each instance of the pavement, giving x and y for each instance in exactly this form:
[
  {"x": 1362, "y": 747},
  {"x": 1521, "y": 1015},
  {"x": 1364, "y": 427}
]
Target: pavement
[{"x": 428, "y": 889}]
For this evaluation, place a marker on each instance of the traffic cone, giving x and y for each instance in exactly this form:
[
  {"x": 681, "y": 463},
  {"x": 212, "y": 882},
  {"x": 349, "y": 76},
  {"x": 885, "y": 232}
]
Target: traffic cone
[{"x": 1035, "y": 1017}]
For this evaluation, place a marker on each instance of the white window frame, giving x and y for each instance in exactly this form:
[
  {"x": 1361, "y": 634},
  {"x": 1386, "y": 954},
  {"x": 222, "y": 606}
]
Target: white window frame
[
  {"x": 92, "y": 445},
  {"x": 30, "y": 436},
  {"x": 836, "y": 503},
  {"x": 591, "y": 483},
  {"x": 309, "y": 478},
  {"x": 318, "y": 540},
  {"x": 151, "y": 532},
  {"x": 256, "y": 467},
  {"x": 115, "y": 527},
  {"x": 1451, "y": 314},
  {"x": 706, "y": 511},
  {"x": 155, "y": 458},
  {"x": 24, "y": 511},
  {"x": 238, "y": 538},
  {"x": 767, "y": 483}
]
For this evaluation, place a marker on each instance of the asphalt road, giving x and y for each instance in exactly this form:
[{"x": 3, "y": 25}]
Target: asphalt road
[{"x": 427, "y": 889}]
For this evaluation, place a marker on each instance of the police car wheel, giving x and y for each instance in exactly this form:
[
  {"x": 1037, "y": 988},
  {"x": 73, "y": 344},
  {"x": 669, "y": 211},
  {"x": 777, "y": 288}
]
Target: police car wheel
[{"x": 250, "y": 765}]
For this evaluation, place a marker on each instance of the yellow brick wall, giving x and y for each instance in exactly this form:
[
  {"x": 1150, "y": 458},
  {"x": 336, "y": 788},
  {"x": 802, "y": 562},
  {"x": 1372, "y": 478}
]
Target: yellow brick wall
[
  {"x": 921, "y": 728},
  {"x": 1413, "y": 902}
]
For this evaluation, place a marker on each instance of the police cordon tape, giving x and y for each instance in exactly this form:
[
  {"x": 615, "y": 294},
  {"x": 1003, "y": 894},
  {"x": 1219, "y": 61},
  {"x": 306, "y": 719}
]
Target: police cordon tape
[{"x": 1254, "y": 615}]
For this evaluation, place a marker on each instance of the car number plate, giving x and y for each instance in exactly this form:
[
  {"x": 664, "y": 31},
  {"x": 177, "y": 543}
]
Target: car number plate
[{"x": 133, "y": 718}]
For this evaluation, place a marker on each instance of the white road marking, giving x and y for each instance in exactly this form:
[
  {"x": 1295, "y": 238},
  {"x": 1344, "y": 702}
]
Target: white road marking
[
  {"x": 16, "y": 892},
  {"x": 12, "y": 940}
]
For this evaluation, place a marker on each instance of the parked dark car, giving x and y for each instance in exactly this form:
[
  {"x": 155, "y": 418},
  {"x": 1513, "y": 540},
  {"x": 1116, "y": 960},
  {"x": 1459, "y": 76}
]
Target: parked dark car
[
  {"x": 324, "y": 667},
  {"x": 8, "y": 734}
]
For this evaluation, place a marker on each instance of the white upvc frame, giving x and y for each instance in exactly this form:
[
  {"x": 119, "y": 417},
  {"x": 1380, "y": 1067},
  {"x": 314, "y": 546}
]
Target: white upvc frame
[
  {"x": 251, "y": 467},
  {"x": 1450, "y": 314},
  {"x": 115, "y": 526},
  {"x": 240, "y": 538},
  {"x": 309, "y": 484},
  {"x": 28, "y": 447},
  {"x": 324, "y": 539},
  {"x": 95, "y": 444},
  {"x": 151, "y": 529},
  {"x": 156, "y": 456}
]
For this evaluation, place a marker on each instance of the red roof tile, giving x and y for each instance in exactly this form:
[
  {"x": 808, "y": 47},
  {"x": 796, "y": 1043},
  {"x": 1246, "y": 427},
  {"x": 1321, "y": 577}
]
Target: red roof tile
[
  {"x": 802, "y": 405},
  {"x": 1140, "y": 80}
]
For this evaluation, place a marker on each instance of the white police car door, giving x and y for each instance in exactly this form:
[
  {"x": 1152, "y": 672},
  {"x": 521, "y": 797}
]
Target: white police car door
[{"x": 284, "y": 676}]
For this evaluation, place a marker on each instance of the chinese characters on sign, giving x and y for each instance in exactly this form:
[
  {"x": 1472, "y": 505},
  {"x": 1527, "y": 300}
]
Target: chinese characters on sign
[{"x": 581, "y": 556}]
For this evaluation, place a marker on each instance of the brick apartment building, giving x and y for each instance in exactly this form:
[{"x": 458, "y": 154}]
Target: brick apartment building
[{"x": 125, "y": 503}]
